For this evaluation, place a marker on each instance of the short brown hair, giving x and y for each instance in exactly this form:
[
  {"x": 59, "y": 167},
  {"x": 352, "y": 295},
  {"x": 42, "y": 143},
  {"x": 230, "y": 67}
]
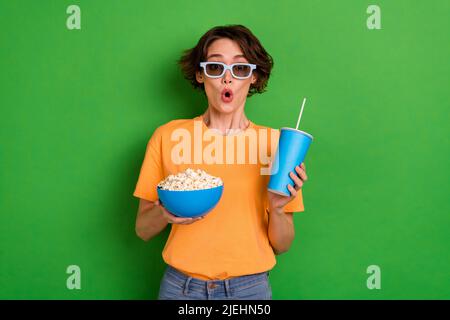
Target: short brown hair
[{"x": 253, "y": 51}]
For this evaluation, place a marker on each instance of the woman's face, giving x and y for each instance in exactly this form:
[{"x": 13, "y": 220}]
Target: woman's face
[{"x": 225, "y": 94}]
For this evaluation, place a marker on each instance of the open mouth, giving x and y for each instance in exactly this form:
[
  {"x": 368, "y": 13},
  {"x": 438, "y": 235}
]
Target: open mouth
[{"x": 227, "y": 95}]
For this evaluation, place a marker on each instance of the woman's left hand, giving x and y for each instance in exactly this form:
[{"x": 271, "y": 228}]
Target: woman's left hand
[{"x": 277, "y": 201}]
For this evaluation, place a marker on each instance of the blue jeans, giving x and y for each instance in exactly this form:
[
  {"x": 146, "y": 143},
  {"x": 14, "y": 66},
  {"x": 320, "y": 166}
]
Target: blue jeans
[{"x": 176, "y": 285}]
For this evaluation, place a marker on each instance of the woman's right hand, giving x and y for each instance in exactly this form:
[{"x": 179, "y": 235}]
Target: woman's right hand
[{"x": 174, "y": 219}]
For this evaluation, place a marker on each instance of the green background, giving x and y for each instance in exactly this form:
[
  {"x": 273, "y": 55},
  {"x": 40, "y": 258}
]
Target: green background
[{"x": 78, "y": 108}]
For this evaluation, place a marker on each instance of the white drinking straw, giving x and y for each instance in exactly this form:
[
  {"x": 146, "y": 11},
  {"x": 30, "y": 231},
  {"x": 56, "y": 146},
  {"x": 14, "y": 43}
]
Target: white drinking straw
[{"x": 300, "y": 115}]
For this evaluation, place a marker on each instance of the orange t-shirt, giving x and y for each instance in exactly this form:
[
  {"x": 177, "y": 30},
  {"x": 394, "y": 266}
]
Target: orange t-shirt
[{"x": 232, "y": 240}]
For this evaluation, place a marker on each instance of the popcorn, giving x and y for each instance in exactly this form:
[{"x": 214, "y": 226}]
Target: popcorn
[{"x": 190, "y": 180}]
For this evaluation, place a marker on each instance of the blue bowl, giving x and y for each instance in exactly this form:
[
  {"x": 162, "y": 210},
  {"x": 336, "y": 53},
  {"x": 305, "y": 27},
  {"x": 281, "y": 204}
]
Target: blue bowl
[{"x": 191, "y": 203}]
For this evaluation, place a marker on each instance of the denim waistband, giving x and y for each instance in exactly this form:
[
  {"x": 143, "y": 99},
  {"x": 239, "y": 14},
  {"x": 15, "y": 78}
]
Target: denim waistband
[{"x": 228, "y": 284}]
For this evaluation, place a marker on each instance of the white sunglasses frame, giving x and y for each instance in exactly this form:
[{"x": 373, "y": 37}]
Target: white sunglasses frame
[{"x": 228, "y": 67}]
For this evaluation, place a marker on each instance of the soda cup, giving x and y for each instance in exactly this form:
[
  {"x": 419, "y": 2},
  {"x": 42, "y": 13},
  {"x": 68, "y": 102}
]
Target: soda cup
[{"x": 293, "y": 145}]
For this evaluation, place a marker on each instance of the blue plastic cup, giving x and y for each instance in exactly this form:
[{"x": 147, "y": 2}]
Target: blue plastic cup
[{"x": 292, "y": 148}]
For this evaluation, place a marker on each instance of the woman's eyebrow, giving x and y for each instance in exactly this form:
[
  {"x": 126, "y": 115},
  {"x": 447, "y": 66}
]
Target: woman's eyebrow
[{"x": 221, "y": 56}]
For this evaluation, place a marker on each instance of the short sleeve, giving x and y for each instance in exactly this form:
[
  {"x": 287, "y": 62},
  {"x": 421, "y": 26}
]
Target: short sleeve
[
  {"x": 151, "y": 172},
  {"x": 295, "y": 205}
]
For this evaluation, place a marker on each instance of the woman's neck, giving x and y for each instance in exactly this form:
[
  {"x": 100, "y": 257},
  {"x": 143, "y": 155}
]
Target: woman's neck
[{"x": 225, "y": 123}]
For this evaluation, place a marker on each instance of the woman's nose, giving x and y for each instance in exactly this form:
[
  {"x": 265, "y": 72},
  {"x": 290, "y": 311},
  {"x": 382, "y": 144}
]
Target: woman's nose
[{"x": 227, "y": 77}]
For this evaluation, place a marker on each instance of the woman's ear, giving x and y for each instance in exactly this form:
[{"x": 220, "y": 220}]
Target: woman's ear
[
  {"x": 199, "y": 77},
  {"x": 254, "y": 78}
]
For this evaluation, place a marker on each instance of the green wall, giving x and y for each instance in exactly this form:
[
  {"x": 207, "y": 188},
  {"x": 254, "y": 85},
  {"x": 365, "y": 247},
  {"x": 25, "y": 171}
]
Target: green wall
[{"x": 78, "y": 107}]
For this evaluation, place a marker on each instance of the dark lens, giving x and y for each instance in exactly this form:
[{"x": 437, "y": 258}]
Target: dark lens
[
  {"x": 241, "y": 70},
  {"x": 214, "y": 69}
]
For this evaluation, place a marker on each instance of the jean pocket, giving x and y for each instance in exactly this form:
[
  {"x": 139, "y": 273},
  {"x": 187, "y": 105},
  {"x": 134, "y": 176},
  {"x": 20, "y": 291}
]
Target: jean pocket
[{"x": 259, "y": 290}]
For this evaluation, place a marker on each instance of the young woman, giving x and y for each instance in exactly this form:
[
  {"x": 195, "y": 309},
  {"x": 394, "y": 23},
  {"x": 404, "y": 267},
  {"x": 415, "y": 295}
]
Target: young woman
[{"x": 228, "y": 253}]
